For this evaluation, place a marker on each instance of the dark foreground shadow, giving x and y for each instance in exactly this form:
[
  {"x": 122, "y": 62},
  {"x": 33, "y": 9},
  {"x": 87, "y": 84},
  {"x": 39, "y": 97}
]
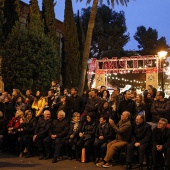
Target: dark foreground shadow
[{"x": 9, "y": 164}]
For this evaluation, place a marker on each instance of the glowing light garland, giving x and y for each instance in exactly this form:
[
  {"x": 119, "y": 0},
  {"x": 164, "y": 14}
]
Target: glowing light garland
[{"x": 124, "y": 65}]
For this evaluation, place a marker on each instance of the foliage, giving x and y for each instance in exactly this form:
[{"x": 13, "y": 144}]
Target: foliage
[
  {"x": 35, "y": 24},
  {"x": 148, "y": 41},
  {"x": 48, "y": 14},
  {"x": 88, "y": 39},
  {"x": 109, "y": 31},
  {"x": 29, "y": 61},
  {"x": 11, "y": 14},
  {"x": 2, "y": 22},
  {"x": 71, "y": 55}
]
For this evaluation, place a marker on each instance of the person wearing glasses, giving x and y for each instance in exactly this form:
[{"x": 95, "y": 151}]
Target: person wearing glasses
[{"x": 161, "y": 145}]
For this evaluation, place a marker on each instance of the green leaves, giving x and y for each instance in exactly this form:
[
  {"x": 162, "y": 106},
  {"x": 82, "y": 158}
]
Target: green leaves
[{"x": 29, "y": 61}]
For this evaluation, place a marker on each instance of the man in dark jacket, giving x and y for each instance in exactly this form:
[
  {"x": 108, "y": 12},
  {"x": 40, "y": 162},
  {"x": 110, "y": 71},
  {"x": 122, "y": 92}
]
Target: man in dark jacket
[
  {"x": 140, "y": 140},
  {"x": 75, "y": 101},
  {"x": 123, "y": 133},
  {"x": 127, "y": 105},
  {"x": 161, "y": 144},
  {"x": 59, "y": 129},
  {"x": 93, "y": 103},
  {"x": 41, "y": 131},
  {"x": 160, "y": 107},
  {"x": 103, "y": 135},
  {"x": 3, "y": 129}
]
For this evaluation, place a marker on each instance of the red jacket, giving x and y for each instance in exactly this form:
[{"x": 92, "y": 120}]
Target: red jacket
[{"x": 14, "y": 122}]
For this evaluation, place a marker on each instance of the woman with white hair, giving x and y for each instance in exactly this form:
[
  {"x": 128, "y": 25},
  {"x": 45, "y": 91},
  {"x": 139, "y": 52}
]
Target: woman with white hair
[{"x": 73, "y": 135}]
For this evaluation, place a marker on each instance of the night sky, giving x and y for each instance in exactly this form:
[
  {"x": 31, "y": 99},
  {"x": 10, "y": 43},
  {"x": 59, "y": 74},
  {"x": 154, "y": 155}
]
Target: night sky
[{"x": 149, "y": 13}]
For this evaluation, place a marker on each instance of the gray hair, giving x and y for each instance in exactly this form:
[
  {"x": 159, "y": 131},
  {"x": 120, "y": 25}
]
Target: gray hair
[
  {"x": 128, "y": 114},
  {"x": 164, "y": 120},
  {"x": 61, "y": 112}
]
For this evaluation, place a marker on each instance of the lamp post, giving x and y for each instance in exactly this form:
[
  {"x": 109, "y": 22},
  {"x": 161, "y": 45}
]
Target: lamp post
[{"x": 161, "y": 55}]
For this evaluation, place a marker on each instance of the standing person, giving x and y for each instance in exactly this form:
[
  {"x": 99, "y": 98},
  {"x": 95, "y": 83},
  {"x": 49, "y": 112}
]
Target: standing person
[
  {"x": 64, "y": 105},
  {"x": 104, "y": 110},
  {"x": 102, "y": 88},
  {"x": 113, "y": 107},
  {"x": 8, "y": 108},
  {"x": 127, "y": 105},
  {"x": 160, "y": 107},
  {"x": 119, "y": 96},
  {"x": 51, "y": 100},
  {"x": 140, "y": 105},
  {"x": 140, "y": 141},
  {"x": 148, "y": 102},
  {"x": 152, "y": 91},
  {"x": 29, "y": 98},
  {"x": 66, "y": 92},
  {"x": 41, "y": 131},
  {"x": 105, "y": 95},
  {"x": 20, "y": 105},
  {"x": 76, "y": 101},
  {"x": 123, "y": 133},
  {"x": 39, "y": 104},
  {"x": 15, "y": 94},
  {"x": 93, "y": 103},
  {"x": 56, "y": 87},
  {"x": 86, "y": 96},
  {"x": 161, "y": 144}
]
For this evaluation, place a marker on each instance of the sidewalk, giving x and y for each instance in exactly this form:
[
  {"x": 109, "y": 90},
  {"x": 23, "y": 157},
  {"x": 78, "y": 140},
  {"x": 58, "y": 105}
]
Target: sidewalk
[{"x": 12, "y": 162}]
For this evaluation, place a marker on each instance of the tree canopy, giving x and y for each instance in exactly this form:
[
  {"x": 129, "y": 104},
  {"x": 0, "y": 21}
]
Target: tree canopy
[
  {"x": 29, "y": 61},
  {"x": 109, "y": 32},
  {"x": 148, "y": 41},
  {"x": 71, "y": 54}
]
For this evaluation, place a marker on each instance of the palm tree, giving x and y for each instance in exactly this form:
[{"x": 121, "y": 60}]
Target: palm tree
[{"x": 89, "y": 38}]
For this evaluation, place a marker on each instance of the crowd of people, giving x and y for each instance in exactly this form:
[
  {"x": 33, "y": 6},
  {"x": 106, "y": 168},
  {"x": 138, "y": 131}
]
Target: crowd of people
[{"x": 93, "y": 126}]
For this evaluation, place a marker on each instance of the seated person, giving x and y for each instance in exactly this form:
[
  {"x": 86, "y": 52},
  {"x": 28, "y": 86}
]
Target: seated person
[
  {"x": 87, "y": 136},
  {"x": 13, "y": 127},
  {"x": 123, "y": 133},
  {"x": 140, "y": 141},
  {"x": 41, "y": 132},
  {"x": 161, "y": 144},
  {"x": 3, "y": 129},
  {"x": 59, "y": 129},
  {"x": 26, "y": 131},
  {"x": 103, "y": 135},
  {"x": 73, "y": 135}
]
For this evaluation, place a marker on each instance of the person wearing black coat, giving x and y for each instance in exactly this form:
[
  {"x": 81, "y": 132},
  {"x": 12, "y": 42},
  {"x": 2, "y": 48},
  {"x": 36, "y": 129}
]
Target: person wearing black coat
[
  {"x": 93, "y": 104},
  {"x": 103, "y": 135},
  {"x": 8, "y": 108},
  {"x": 87, "y": 136},
  {"x": 140, "y": 141},
  {"x": 161, "y": 144},
  {"x": 127, "y": 105},
  {"x": 3, "y": 129},
  {"x": 26, "y": 131},
  {"x": 41, "y": 131},
  {"x": 73, "y": 135},
  {"x": 75, "y": 101},
  {"x": 59, "y": 129}
]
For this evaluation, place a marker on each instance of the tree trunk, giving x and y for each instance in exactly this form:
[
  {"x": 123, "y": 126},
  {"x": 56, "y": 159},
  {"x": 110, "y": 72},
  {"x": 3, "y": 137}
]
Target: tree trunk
[{"x": 87, "y": 46}]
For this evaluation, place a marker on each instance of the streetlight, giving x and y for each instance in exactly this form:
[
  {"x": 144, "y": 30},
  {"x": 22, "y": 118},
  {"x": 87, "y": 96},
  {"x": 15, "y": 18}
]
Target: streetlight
[{"x": 161, "y": 55}]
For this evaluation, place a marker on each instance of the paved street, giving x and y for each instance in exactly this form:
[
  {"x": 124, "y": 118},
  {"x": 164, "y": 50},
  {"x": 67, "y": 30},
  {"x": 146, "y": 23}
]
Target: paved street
[{"x": 12, "y": 162}]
